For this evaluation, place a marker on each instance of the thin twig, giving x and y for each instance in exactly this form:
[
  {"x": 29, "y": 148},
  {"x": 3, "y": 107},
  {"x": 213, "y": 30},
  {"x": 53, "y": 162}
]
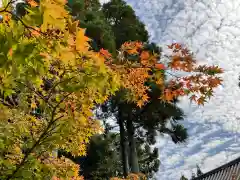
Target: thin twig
[
  {"x": 30, "y": 151},
  {"x": 6, "y": 104},
  {"x": 38, "y": 94},
  {"x": 52, "y": 89},
  {"x": 52, "y": 121},
  {"x": 8, "y": 4},
  {"x": 25, "y": 25}
]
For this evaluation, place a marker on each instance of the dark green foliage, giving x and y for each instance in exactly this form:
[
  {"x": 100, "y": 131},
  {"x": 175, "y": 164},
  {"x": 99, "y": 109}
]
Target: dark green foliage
[
  {"x": 148, "y": 160},
  {"x": 183, "y": 178},
  {"x": 92, "y": 18},
  {"x": 199, "y": 172},
  {"x": 20, "y": 9},
  {"x": 103, "y": 159},
  {"x": 125, "y": 24}
]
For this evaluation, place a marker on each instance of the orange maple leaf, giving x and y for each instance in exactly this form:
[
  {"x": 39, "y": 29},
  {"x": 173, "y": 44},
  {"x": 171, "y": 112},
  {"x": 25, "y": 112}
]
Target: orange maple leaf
[
  {"x": 45, "y": 55},
  {"x": 140, "y": 103},
  {"x": 145, "y": 55},
  {"x": 132, "y": 51},
  {"x": 105, "y": 53},
  {"x": 160, "y": 66},
  {"x": 35, "y": 32},
  {"x": 178, "y": 46},
  {"x": 32, "y": 3},
  {"x": 7, "y": 17},
  {"x": 10, "y": 52},
  {"x": 145, "y": 97},
  {"x": 138, "y": 45},
  {"x": 168, "y": 95}
]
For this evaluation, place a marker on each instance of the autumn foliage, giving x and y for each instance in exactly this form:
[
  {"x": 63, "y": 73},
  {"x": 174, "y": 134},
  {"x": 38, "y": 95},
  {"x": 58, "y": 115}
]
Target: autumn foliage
[
  {"x": 137, "y": 65},
  {"x": 50, "y": 82}
]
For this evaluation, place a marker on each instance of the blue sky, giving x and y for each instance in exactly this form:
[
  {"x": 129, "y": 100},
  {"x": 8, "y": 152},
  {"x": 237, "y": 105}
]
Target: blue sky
[{"x": 211, "y": 28}]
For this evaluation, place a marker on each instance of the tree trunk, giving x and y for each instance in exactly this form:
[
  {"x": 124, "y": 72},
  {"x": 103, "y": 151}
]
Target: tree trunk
[
  {"x": 133, "y": 157},
  {"x": 123, "y": 144}
]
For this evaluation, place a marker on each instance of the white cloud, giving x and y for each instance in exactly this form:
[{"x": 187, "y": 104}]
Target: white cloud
[
  {"x": 211, "y": 28},
  {"x": 212, "y": 144}
]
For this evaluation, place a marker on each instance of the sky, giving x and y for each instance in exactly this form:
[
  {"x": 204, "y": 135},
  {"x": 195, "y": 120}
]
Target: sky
[{"x": 211, "y": 29}]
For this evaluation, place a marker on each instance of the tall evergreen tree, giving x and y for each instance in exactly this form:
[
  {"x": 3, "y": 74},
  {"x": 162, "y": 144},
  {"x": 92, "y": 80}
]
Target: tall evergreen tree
[
  {"x": 124, "y": 22},
  {"x": 103, "y": 159},
  {"x": 144, "y": 123},
  {"x": 91, "y": 17},
  {"x": 183, "y": 178}
]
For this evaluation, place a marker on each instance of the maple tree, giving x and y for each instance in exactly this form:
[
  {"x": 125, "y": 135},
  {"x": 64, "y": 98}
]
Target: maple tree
[{"x": 47, "y": 44}]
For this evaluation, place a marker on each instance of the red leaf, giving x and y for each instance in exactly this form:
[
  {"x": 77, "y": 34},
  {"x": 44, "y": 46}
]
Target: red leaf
[
  {"x": 160, "y": 66},
  {"x": 178, "y": 46},
  {"x": 193, "y": 98},
  {"x": 105, "y": 53}
]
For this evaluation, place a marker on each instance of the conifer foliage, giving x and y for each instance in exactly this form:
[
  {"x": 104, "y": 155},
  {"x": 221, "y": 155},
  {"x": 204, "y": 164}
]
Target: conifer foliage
[{"x": 45, "y": 45}]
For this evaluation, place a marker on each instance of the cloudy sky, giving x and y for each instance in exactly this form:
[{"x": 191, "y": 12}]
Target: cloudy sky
[{"x": 211, "y": 28}]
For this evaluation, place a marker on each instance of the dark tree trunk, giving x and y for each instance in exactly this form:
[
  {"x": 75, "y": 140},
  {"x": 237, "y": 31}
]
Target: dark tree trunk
[
  {"x": 133, "y": 157},
  {"x": 123, "y": 144}
]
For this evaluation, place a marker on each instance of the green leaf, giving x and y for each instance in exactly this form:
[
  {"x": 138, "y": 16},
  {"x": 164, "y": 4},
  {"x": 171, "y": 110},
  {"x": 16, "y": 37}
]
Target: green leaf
[{"x": 4, "y": 3}]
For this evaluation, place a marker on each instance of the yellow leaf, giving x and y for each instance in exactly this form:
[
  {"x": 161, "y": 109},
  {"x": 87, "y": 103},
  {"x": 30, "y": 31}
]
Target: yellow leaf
[
  {"x": 33, "y": 105},
  {"x": 82, "y": 40},
  {"x": 145, "y": 97},
  {"x": 53, "y": 15},
  {"x": 82, "y": 120},
  {"x": 140, "y": 103},
  {"x": 159, "y": 81},
  {"x": 67, "y": 56},
  {"x": 73, "y": 26},
  {"x": 17, "y": 150}
]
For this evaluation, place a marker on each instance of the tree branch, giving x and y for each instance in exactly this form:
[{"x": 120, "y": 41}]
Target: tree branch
[
  {"x": 8, "y": 4},
  {"x": 38, "y": 142},
  {"x": 38, "y": 94},
  {"x": 52, "y": 89},
  {"x": 29, "y": 152}
]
